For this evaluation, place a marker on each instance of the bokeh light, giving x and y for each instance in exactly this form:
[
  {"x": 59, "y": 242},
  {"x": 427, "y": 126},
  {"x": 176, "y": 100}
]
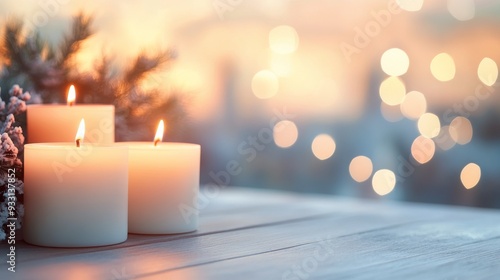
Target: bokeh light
[
  {"x": 390, "y": 113},
  {"x": 265, "y": 84},
  {"x": 392, "y": 91},
  {"x": 285, "y": 134},
  {"x": 410, "y": 5},
  {"x": 443, "y": 67},
  {"x": 283, "y": 39},
  {"x": 487, "y": 71},
  {"x": 470, "y": 175},
  {"x": 423, "y": 149},
  {"x": 323, "y": 146},
  {"x": 461, "y": 130},
  {"x": 383, "y": 181},
  {"x": 394, "y": 62},
  {"x": 414, "y": 105},
  {"x": 462, "y": 9},
  {"x": 360, "y": 168},
  {"x": 444, "y": 140},
  {"x": 429, "y": 125}
]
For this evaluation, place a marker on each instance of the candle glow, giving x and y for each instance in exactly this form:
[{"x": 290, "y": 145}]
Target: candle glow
[
  {"x": 80, "y": 134},
  {"x": 71, "y": 96},
  {"x": 159, "y": 132}
]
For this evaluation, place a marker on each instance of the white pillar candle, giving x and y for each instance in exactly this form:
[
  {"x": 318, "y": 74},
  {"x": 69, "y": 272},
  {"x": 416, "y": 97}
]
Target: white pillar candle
[
  {"x": 57, "y": 123},
  {"x": 163, "y": 187},
  {"x": 75, "y": 196}
]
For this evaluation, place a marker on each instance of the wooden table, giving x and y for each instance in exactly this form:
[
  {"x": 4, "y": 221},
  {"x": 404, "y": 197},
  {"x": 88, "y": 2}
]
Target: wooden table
[{"x": 255, "y": 234}]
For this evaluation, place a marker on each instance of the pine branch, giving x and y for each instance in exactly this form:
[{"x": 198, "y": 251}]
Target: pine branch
[{"x": 80, "y": 31}]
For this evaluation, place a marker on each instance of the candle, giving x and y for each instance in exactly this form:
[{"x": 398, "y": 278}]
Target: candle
[
  {"x": 75, "y": 194},
  {"x": 55, "y": 123},
  {"x": 163, "y": 186}
]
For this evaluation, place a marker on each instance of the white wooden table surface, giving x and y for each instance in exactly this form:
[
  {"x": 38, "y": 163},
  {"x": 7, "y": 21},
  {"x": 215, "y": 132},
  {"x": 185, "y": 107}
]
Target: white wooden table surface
[{"x": 255, "y": 234}]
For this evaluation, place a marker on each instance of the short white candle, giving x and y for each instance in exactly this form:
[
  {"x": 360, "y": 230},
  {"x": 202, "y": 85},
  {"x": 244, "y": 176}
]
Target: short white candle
[
  {"x": 57, "y": 123},
  {"x": 75, "y": 196},
  {"x": 163, "y": 187}
]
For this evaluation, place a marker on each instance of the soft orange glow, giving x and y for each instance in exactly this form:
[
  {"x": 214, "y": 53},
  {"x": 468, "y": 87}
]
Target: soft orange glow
[
  {"x": 159, "y": 132},
  {"x": 285, "y": 134},
  {"x": 361, "y": 168},
  {"x": 283, "y": 39},
  {"x": 423, "y": 149},
  {"x": 71, "y": 96},
  {"x": 383, "y": 181},
  {"x": 323, "y": 146},
  {"x": 265, "y": 84},
  {"x": 470, "y": 175},
  {"x": 80, "y": 134}
]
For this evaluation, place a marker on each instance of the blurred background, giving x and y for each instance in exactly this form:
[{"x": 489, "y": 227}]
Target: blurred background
[{"x": 382, "y": 99}]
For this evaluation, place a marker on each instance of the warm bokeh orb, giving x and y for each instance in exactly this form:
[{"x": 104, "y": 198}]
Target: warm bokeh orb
[
  {"x": 285, "y": 134},
  {"x": 423, "y": 149},
  {"x": 461, "y": 130},
  {"x": 470, "y": 175},
  {"x": 392, "y": 91},
  {"x": 410, "y": 5},
  {"x": 383, "y": 181},
  {"x": 429, "y": 125},
  {"x": 323, "y": 146},
  {"x": 487, "y": 71},
  {"x": 443, "y": 67},
  {"x": 394, "y": 62},
  {"x": 414, "y": 105},
  {"x": 361, "y": 168}
]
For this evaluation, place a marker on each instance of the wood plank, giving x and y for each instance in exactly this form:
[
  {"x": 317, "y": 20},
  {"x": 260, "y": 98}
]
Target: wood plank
[
  {"x": 272, "y": 232},
  {"x": 153, "y": 258},
  {"x": 422, "y": 250}
]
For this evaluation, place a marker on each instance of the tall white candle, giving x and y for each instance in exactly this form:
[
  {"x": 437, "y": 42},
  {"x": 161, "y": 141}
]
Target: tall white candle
[
  {"x": 163, "y": 187},
  {"x": 56, "y": 123},
  {"x": 75, "y": 196}
]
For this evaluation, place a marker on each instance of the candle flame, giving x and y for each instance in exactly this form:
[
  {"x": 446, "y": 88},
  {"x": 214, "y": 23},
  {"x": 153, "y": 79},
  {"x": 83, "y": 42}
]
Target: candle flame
[
  {"x": 159, "y": 132},
  {"x": 80, "y": 133},
  {"x": 71, "y": 95}
]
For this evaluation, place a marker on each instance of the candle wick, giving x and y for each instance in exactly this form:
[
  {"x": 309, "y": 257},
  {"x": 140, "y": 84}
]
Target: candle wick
[
  {"x": 71, "y": 103},
  {"x": 156, "y": 141},
  {"x": 78, "y": 143}
]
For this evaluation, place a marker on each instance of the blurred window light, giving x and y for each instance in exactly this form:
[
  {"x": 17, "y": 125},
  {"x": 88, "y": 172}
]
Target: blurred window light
[
  {"x": 443, "y": 67},
  {"x": 423, "y": 149},
  {"x": 444, "y": 140},
  {"x": 410, "y": 5},
  {"x": 470, "y": 175},
  {"x": 488, "y": 71},
  {"x": 361, "y": 168},
  {"x": 414, "y": 105},
  {"x": 429, "y": 125},
  {"x": 390, "y": 113},
  {"x": 462, "y": 9},
  {"x": 323, "y": 146},
  {"x": 461, "y": 130},
  {"x": 285, "y": 134},
  {"x": 283, "y": 39},
  {"x": 392, "y": 91},
  {"x": 394, "y": 62},
  {"x": 383, "y": 181},
  {"x": 265, "y": 84}
]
